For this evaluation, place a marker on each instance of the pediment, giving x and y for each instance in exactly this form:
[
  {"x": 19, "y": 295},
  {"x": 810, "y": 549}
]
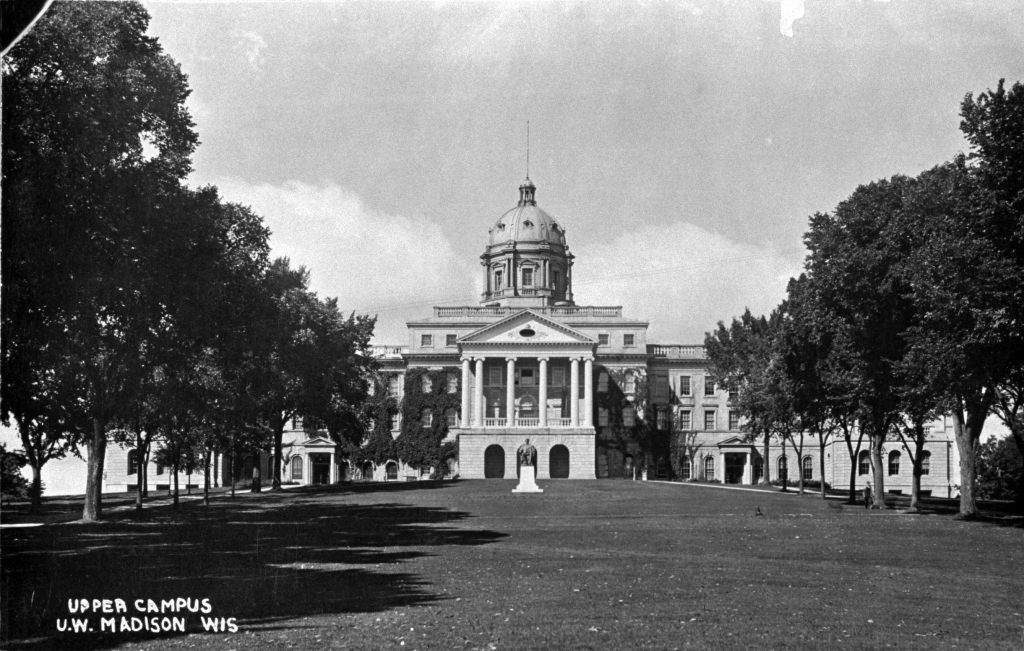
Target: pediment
[
  {"x": 735, "y": 441},
  {"x": 318, "y": 442},
  {"x": 526, "y": 327}
]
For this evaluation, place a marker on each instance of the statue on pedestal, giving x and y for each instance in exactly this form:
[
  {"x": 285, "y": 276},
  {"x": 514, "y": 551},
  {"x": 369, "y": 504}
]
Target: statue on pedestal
[{"x": 527, "y": 456}]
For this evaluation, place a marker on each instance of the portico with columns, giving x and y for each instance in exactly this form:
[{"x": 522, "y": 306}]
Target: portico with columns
[{"x": 527, "y": 376}]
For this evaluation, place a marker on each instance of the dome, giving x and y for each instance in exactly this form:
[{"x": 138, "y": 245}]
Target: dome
[{"x": 526, "y": 223}]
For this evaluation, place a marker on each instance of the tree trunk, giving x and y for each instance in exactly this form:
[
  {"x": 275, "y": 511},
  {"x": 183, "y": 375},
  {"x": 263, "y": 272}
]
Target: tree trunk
[
  {"x": 140, "y": 471},
  {"x": 278, "y": 436},
  {"x": 915, "y": 486},
  {"x": 256, "y": 483},
  {"x": 854, "y": 453},
  {"x": 877, "y": 440},
  {"x": 821, "y": 463},
  {"x": 967, "y": 431},
  {"x": 36, "y": 490},
  {"x": 231, "y": 466},
  {"x": 96, "y": 448},
  {"x": 206, "y": 478},
  {"x": 800, "y": 461},
  {"x": 765, "y": 477},
  {"x": 145, "y": 474},
  {"x": 784, "y": 471},
  {"x": 176, "y": 472}
]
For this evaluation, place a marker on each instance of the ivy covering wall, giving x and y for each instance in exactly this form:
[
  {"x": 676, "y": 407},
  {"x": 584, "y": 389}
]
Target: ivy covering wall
[
  {"x": 377, "y": 412},
  {"x": 418, "y": 446}
]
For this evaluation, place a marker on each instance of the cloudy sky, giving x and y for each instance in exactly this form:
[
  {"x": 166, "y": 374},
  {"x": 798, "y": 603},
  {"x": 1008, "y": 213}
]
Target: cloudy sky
[{"x": 682, "y": 144}]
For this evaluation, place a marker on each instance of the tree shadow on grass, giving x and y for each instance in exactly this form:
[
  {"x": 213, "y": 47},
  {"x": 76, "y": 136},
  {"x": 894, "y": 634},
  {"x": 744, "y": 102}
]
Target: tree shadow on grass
[{"x": 261, "y": 560}]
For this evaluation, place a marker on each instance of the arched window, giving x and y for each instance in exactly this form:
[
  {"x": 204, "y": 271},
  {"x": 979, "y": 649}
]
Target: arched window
[
  {"x": 783, "y": 468},
  {"x": 391, "y": 471},
  {"x": 296, "y": 468},
  {"x": 894, "y": 463},
  {"x": 684, "y": 467},
  {"x": 133, "y": 461},
  {"x": 863, "y": 463},
  {"x": 926, "y": 463},
  {"x": 808, "y": 468},
  {"x": 709, "y": 467}
]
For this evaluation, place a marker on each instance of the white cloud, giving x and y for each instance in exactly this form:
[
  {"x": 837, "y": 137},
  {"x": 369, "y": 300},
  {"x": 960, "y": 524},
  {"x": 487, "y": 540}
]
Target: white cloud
[
  {"x": 390, "y": 265},
  {"x": 681, "y": 278},
  {"x": 252, "y": 46}
]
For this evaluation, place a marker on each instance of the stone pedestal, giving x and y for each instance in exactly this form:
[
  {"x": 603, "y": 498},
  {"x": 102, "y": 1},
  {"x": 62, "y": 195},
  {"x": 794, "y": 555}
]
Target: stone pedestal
[{"x": 527, "y": 481}]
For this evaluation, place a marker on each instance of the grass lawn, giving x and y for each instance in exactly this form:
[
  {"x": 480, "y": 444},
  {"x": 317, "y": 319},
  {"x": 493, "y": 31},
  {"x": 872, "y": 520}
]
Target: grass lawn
[{"x": 587, "y": 564}]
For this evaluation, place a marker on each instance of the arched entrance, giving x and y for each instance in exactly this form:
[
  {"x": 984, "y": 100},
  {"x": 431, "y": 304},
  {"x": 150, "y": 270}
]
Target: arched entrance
[
  {"x": 494, "y": 462},
  {"x": 392, "y": 471},
  {"x": 367, "y": 470},
  {"x": 558, "y": 462},
  {"x": 321, "y": 469}
]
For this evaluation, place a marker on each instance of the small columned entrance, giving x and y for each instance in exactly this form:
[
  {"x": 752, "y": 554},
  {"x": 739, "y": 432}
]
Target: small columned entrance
[{"x": 320, "y": 469}]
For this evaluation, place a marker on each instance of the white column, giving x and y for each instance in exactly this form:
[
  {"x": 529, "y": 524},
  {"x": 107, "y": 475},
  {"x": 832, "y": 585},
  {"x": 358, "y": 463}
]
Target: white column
[
  {"x": 478, "y": 394},
  {"x": 510, "y": 392},
  {"x": 543, "y": 391},
  {"x": 331, "y": 474},
  {"x": 588, "y": 393},
  {"x": 466, "y": 388},
  {"x": 574, "y": 399},
  {"x": 748, "y": 470}
]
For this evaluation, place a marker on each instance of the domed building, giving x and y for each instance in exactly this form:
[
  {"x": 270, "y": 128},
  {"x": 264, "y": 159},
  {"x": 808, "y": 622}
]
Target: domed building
[{"x": 581, "y": 382}]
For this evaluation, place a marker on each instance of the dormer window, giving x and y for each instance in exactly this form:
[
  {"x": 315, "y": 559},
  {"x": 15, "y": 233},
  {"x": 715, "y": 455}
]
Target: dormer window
[{"x": 528, "y": 224}]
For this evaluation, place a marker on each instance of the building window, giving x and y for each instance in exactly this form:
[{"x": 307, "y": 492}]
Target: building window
[
  {"x": 709, "y": 467},
  {"x": 863, "y": 463},
  {"x": 734, "y": 420},
  {"x": 393, "y": 385},
  {"x": 159, "y": 468},
  {"x": 556, "y": 378},
  {"x": 426, "y": 417},
  {"x": 449, "y": 339},
  {"x": 894, "y": 463},
  {"x": 133, "y": 461},
  {"x": 451, "y": 417},
  {"x": 630, "y": 382},
  {"x": 926, "y": 463},
  {"x": 783, "y": 468},
  {"x": 499, "y": 278},
  {"x": 684, "y": 385},
  {"x": 426, "y": 341},
  {"x": 628, "y": 417},
  {"x": 296, "y": 467},
  {"x": 709, "y": 420},
  {"x": 808, "y": 468},
  {"x": 527, "y": 277},
  {"x": 628, "y": 340},
  {"x": 709, "y": 386},
  {"x": 496, "y": 376},
  {"x": 758, "y": 469},
  {"x": 733, "y": 395},
  {"x": 452, "y": 382},
  {"x": 662, "y": 419},
  {"x": 602, "y": 417},
  {"x": 426, "y": 384},
  {"x": 602, "y": 382},
  {"x": 297, "y": 422},
  {"x": 526, "y": 377},
  {"x": 602, "y": 340},
  {"x": 684, "y": 420},
  {"x": 554, "y": 279},
  {"x": 396, "y": 421}
]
